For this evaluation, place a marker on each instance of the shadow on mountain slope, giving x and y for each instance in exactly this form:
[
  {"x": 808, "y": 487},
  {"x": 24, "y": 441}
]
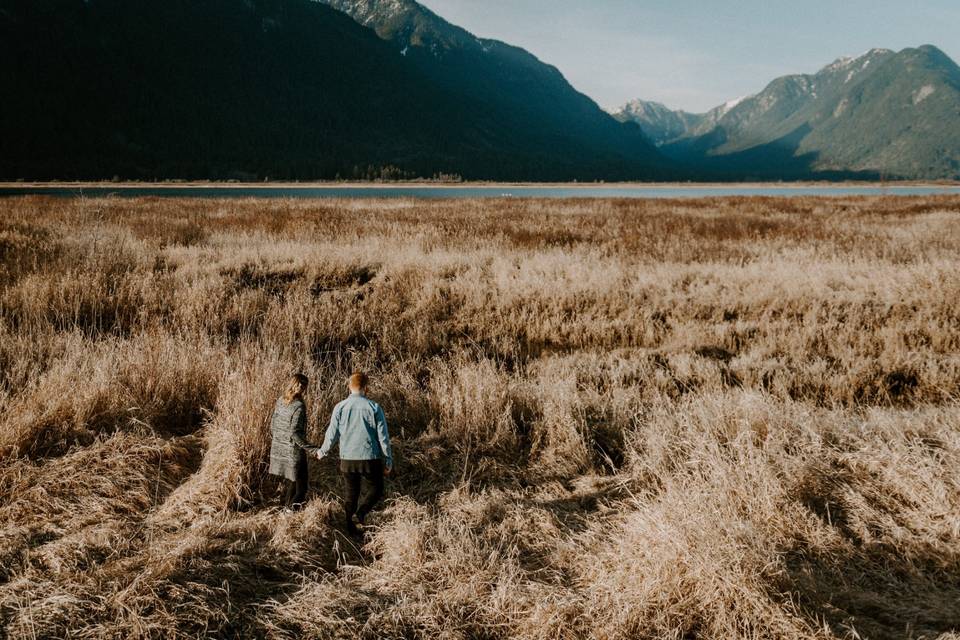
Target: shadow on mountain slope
[{"x": 778, "y": 159}]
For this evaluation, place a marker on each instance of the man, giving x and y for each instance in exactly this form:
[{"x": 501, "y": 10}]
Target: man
[{"x": 359, "y": 425}]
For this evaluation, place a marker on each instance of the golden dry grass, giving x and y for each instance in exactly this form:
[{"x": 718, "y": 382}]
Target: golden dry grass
[{"x": 722, "y": 418}]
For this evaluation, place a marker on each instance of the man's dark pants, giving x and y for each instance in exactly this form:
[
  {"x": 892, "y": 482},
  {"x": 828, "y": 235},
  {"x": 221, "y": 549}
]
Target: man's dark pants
[{"x": 356, "y": 474}]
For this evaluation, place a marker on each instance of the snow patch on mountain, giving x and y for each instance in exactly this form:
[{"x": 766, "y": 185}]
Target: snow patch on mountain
[
  {"x": 366, "y": 11},
  {"x": 923, "y": 93},
  {"x": 841, "y": 108},
  {"x": 729, "y": 105},
  {"x": 840, "y": 63},
  {"x": 850, "y": 62}
]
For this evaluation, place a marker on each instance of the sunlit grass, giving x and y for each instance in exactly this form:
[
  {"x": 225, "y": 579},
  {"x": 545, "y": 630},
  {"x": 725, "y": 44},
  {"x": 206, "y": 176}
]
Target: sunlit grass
[{"x": 614, "y": 418}]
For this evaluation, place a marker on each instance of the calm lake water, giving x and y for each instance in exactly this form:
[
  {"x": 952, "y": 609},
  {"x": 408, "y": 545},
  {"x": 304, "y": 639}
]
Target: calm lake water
[{"x": 439, "y": 191}]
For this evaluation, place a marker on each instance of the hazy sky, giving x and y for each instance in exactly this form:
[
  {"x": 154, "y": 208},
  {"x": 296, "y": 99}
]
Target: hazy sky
[{"x": 698, "y": 54}]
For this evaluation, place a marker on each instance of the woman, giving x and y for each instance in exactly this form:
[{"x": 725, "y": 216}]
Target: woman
[{"x": 289, "y": 448}]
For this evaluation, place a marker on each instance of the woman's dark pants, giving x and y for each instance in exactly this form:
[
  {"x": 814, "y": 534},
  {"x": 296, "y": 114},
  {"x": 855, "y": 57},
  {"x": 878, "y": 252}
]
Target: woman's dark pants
[{"x": 296, "y": 491}]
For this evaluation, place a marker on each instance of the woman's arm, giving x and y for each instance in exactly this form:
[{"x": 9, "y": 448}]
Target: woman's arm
[{"x": 298, "y": 434}]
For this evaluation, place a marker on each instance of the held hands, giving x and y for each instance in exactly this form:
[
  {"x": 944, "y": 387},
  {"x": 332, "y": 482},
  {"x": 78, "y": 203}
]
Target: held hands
[{"x": 386, "y": 470}]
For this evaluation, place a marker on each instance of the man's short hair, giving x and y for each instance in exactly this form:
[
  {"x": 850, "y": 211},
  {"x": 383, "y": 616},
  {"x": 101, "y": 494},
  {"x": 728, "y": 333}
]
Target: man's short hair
[{"x": 359, "y": 380}]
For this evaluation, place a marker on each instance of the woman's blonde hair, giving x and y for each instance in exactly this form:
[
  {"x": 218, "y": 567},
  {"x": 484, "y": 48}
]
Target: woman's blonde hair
[{"x": 295, "y": 388}]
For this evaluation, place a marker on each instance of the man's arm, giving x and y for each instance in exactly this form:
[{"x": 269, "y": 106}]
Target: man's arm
[
  {"x": 384, "y": 436},
  {"x": 333, "y": 433}
]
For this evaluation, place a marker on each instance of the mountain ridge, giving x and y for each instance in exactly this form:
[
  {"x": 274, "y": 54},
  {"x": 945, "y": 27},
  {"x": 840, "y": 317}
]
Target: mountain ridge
[
  {"x": 879, "y": 114},
  {"x": 502, "y": 79},
  {"x": 321, "y": 89},
  {"x": 285, "y": 89}
]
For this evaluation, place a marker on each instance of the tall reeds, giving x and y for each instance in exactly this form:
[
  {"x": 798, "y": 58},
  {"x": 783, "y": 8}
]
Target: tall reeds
[{"x": 718, "y": 418}]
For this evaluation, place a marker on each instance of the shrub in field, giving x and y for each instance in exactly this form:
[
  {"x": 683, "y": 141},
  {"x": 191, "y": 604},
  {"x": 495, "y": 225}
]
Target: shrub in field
[
  {"x": 25, "y": 249},
  {"x": 152, "y": 384}
]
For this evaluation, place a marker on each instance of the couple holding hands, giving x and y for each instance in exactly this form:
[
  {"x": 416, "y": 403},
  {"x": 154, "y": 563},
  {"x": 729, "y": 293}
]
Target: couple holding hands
[{"x": 360, "y": 427}]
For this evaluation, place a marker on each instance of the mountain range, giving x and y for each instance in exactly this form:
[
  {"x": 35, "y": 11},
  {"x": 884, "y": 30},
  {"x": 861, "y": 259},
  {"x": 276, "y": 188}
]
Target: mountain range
[
  {"x": 880, "y": 114},
  {"x": 359, "y": 89},
  {"x": 290, "y": 89}
]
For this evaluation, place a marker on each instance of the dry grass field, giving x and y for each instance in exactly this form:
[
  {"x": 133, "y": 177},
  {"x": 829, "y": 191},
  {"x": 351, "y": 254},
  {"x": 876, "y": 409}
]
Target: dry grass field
[{"x": 722, "y": 418}]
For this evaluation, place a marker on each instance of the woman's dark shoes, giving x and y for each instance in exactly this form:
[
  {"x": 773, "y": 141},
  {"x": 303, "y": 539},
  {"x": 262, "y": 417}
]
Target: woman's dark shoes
[{"x": 354, "y": 526}]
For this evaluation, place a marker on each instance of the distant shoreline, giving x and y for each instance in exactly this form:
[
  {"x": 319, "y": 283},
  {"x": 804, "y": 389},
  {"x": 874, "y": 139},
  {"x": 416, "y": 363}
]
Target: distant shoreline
[{"x": 474, "y": 185}]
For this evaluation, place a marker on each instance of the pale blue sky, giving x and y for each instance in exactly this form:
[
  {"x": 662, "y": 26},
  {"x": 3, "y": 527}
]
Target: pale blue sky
[{"x": 698, "y": 54}]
